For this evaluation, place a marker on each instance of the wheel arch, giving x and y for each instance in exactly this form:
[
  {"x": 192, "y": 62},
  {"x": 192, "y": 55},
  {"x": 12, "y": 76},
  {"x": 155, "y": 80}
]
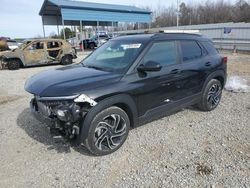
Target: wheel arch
[
  {"x": 221, "y": 79},
  {"x": 123, "y": 101},
  {"x": 68, "y": 54},
  {"x": 218, "y": 75}
]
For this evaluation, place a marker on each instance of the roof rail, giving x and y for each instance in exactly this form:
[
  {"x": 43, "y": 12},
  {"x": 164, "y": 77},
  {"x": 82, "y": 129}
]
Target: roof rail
[{"x": 197, "y": 32}]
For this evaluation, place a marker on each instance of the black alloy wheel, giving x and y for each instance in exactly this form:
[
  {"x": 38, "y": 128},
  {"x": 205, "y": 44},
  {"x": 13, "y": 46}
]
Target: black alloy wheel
[
  {"x": 214, "y": 95},
  {"x": 109, "y": 130},
  {"x": 211, "y": 95}
]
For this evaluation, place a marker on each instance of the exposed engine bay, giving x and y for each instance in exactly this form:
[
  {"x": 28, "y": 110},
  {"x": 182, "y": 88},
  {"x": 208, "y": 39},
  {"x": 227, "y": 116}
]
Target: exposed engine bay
[{"x": 62, "y": 115}]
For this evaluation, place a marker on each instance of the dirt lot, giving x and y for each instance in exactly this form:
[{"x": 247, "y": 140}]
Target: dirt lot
[{"x": 187, "y": 149}]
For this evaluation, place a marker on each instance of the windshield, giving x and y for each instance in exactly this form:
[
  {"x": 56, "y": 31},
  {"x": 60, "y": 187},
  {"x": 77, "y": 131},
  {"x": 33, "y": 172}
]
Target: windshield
[
  {"x": 24, "y": 44},
  {"x": 114, "y": 56}
]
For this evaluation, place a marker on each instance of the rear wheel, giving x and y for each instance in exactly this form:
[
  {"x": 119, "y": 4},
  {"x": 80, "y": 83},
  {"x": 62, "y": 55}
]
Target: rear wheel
[
  {"x": 13, "y": 64},
  {"x": 108, "y": 131},
  {"x": 92, "y": 46},
  {"x": 66, "y": 60},
  {"x": 211, "y": 96}
]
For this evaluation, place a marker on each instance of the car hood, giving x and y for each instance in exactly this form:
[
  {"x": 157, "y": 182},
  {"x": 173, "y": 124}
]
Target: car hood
[
  {"x": 8, "y": 54},
  {"x": 69, "y": 80},
  {"x": 5, "y": 53}
]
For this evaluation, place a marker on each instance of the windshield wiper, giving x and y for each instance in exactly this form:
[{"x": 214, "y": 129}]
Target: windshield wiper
[{"x": 93, "y": 67}]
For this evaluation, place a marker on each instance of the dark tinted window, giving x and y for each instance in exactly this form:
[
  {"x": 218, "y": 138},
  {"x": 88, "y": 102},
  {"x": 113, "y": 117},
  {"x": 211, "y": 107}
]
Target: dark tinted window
[
  {"x": 162, "y": 52},
  {"x": 209, "y": 47},
  {"x": 190, "y": 50}
]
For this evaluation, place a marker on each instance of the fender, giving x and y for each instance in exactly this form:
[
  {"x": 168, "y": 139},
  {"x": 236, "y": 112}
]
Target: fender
[
  {"x": 214, "y": 74},
  {"x": 120, "y": 98}
]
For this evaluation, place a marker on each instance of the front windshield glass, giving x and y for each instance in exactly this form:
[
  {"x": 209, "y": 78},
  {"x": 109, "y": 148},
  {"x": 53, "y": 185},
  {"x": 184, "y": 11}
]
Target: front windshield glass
[
  {"x": 24, "y": 44},
  {"x": 114, "y": 56}
]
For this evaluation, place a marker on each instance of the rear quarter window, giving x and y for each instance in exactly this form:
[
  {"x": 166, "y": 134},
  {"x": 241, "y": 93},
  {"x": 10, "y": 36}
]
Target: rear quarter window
[
  {"x": 209, "y": 47},
  {"x": 190, "y": 50}
]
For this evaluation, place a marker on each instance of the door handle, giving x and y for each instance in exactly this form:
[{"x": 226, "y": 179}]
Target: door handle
[
  {"x": 175, "y": 71},
  {"x": 208, "y": 64}
]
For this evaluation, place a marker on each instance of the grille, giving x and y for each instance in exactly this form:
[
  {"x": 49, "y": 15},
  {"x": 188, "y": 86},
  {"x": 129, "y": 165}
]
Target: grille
[{"x": 43, "y": 109}]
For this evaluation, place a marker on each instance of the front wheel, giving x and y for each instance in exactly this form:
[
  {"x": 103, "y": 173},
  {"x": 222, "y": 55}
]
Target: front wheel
[
  {"x": 211, "y": 96},
  {"x": 108, "y": 131},
  {"x": 13, "y": 64}
]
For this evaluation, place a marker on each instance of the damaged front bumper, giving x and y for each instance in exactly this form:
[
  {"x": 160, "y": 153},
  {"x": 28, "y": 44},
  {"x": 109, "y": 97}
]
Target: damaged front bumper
[
  {"x": 3, "y": 63},
  {"x": 62, "y": 113}
]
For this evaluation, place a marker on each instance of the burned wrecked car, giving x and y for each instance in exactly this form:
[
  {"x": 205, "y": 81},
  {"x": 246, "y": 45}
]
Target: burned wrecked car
[
  {"x": 3, "y": 44},
  {"x": 38, "y": 52}
]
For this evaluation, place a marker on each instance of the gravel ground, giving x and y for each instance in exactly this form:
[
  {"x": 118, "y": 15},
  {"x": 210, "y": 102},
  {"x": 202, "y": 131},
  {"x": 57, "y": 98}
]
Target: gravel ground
[{"x": 187, "y": 149}]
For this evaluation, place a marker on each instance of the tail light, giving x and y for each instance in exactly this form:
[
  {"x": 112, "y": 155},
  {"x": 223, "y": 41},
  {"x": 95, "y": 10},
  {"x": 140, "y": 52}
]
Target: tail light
[{"x": 224, "y": 60}]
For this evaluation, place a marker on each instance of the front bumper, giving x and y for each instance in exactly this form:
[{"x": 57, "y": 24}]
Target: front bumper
[
  {"x": 46, "y": 110},
  {"x": 39, "y": 116}
]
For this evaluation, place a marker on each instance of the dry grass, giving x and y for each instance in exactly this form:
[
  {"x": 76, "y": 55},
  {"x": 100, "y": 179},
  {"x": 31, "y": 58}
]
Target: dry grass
[
  {"x": 5, "y": 99},
  {"x": 238, "y": 64}
]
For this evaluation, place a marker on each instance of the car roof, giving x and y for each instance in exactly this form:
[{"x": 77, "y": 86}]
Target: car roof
[
  {"x": 44, "y": 40},
  {"x": 163, "y": 36}
]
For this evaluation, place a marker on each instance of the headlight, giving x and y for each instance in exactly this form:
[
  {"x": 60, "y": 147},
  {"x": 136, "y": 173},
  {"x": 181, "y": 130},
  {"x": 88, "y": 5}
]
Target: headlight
[
  {"x": 85, "y": 98},
  {"x": 61, "y": 113}
]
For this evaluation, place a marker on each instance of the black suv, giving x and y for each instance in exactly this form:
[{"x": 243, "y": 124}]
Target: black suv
[{"x": 125, "y": 83}]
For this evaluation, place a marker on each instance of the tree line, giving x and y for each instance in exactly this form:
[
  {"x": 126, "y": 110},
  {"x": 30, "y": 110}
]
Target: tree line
[
  {"x": 189, "y": 14},
  {"x": 208, "y": 12}
]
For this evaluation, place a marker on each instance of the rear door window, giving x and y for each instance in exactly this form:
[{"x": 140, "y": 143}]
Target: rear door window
[
  {"x": 53, "y": 48},
  {"x": 163, "y": 53},
  {"x": 53, "y": 44},
  {"x": 190, "y": 50}
]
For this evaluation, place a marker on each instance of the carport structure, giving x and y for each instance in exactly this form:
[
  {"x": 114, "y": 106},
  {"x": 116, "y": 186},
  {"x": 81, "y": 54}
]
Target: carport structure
[{"x": 77, "y": 13}]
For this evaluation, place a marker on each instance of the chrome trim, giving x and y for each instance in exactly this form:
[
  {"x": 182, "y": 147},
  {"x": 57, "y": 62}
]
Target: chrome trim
[{"x": 56, "y": 98}]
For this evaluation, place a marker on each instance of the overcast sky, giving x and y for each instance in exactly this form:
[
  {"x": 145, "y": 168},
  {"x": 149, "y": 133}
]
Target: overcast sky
[{"x": 20, "y": 19}]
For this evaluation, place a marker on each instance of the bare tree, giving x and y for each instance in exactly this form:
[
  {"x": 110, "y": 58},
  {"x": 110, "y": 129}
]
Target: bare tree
[{"x": 208, "y": 12}]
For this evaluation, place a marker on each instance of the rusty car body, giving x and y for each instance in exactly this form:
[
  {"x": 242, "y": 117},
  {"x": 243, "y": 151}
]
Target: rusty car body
[{"x": 38, "y": 52}]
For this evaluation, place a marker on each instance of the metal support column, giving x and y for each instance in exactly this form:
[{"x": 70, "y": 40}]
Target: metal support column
[
  {"x": 64, "y": 36},
  {"x": 81, "y": 36},
  {"x": 98, "y": 33},
  {"x": 57, "y": 23},
  {"x": 58, "y": 33},
  {"x": 177, "y": 17},
  {"x": 112, "y": 29},
  {"x": 43, "y": 28}
]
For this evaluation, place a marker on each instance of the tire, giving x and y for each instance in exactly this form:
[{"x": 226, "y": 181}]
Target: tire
[
  {"x": 108, "y": 131},
  {"x": 92, "y": 46},
  {"x": 66, "y": 60},
  {"x": 211, "y": 96},
  {"x": 13, "y": 64}
]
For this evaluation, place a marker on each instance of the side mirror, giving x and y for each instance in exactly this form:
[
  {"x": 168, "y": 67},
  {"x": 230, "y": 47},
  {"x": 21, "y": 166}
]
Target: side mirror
[{"x": 150, "y": 66}]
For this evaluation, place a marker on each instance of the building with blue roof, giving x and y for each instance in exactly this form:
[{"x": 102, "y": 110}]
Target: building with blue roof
[{"x": 78, "y": 13}]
